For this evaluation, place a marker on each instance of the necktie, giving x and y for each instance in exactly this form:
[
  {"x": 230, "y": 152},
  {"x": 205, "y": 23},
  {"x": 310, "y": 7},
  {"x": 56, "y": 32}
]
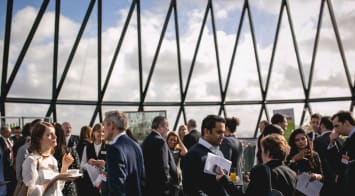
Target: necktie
[{"x": 9, "y": 146}]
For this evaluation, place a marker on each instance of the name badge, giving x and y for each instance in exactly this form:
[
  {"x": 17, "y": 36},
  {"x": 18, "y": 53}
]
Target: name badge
[
  {"x": 345, "y": 159},
  {"x": 49, "y": 174},
  {"x": 103, "y": 152}
]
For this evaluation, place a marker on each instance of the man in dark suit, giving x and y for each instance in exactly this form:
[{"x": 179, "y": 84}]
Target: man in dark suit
[
  {"x": 315, "y": 122},
  {"x": 329, "y": 161},
  {"x": 231, "y": 147},
  {"x": 192, "y": 137},
  {"x": 124, "y": 161},
  {"x": 8, "y": 159},
  {"x": 344, "y": 124},
  {"x": 160, "y": 167},
  {"x": 195, "y": 180},
  {"x": 71, "y": 140}
]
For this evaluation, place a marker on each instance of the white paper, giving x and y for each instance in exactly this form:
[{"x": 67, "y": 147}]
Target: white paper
[
  {"x": 213, "y": 160},
  {"x": 93, "y": 172},
  {"x": 49, "y": 174},
  {"x": 307, "y": 187}
]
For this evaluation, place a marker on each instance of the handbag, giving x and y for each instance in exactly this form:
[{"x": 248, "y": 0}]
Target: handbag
[{"x": 21, "y": 189}]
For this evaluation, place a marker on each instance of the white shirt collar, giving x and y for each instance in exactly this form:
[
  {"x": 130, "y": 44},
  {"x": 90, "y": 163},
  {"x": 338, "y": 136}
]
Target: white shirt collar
[
  {"x": 67, "y": 139},
  {"x": 327, "y": 131},
  {"x": 97, "y": 148},
  {"x": 205, "y": 143},
  {"x": 214, "y": 149},
  {"x": 117, "y": 136},
  {"x": 157, "y": 132}
]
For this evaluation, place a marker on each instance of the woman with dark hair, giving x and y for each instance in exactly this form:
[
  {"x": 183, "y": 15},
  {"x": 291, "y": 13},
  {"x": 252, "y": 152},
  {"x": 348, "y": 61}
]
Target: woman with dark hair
[
  {"x": 274, "y": 150},
  {"x": 302, "y": 157},
  {"x": 269, "y": 129},
  {"x": 40, "y": 169},
  {"x": 231, "y": 147},
  {"x": 94, "y": 154},
  {"x": 59, "y": 151}
]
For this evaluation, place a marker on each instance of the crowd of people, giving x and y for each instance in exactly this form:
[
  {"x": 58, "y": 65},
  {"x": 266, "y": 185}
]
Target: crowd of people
[{"x": 45, "y": 158}]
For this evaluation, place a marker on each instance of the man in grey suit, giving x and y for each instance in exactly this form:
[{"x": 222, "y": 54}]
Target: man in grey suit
[
  {"x": 124, "y": 159},
  {"x": 161, "y": 173}
]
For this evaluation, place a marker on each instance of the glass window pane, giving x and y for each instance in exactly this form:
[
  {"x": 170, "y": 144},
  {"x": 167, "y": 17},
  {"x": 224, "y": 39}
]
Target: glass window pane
[
  {"x": 305, "y": 18},
  {"x": 248, "y": 115},
  {"x": 285, "y": 79},
  {"x": 77, "y": 115},
  {"x": 244, "y": 80},
  {"x": 171, "y": 113},
  {"x": 199, "y": 113},
  {"x": 264, "y": 15},
  {"x": 330, "y": 108},
  {"x": 329, "y": 79},
  {"x": 297, "y": 111},
  {"x": 344, "y": 12},
  {"x": 34, "y": 77}
]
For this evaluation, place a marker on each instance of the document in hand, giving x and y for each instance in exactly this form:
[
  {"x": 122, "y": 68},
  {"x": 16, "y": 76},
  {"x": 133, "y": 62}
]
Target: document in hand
[
  {"x": 213, "y": 160},
  {"x": 93, "y": 172},
  {"x": 307, "y": 187}
]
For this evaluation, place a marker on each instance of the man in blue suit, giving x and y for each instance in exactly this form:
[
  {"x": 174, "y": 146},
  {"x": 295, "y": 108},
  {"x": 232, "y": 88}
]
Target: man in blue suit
[{"x": 124, "y": 161}]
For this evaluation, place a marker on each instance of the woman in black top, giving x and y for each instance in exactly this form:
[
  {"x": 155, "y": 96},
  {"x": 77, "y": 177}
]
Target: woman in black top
[
  {"x": 274, "y": 150},
  {"x": 302, "y": 157},
  {"x": 70, "y": 188}
]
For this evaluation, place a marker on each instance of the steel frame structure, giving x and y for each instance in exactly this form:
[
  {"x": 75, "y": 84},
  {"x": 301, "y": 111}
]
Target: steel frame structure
[{"x": 7, "y": 81}]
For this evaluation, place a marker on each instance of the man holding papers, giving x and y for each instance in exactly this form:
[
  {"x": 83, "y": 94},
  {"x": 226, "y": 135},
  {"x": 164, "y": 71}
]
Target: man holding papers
[{"x": 195, "y": 180}]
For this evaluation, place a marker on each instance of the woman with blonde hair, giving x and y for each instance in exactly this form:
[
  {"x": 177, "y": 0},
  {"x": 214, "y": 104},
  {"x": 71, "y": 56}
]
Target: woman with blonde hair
[
  {"x": 178, "y": 150},
  {"x": 182, "y": 131},
  {"x": 40, "y": 169}
]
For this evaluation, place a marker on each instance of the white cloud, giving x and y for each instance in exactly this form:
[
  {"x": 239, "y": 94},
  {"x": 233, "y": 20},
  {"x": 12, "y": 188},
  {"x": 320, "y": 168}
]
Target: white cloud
[{"x": 81, "y": 81}]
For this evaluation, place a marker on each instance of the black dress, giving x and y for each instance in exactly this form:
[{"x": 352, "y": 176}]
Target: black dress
[
  {"x": 306, "y": 165},
  {"x": 85, "y": 186},
  {"x": 70, "y": 188}
]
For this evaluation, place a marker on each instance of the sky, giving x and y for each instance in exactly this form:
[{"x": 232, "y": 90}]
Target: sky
[{"x": 35, "y": 75}]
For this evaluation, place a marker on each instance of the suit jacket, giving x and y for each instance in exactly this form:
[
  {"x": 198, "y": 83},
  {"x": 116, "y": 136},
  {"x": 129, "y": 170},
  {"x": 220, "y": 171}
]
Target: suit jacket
[
  {"x": 125, "y": 167},
  {"x": 8, "y": 165},
  {"x": 349, "y": 180},
  {"x": 160, "y": 167},
  {"x": 191, "y": 138},
  {"x": 194, "y": 180},
  {"x": 73, "y": 141},
  {"x": 311, "y": 135},
  {"x": 259, "y": 185},
  {"x": 282, "y": 177},
  {"x": 329, "y": 161},
  {"x": 3, "y": 188},
  {"x": 232, "y": 150},
  {"x": 347, "y": 149}
]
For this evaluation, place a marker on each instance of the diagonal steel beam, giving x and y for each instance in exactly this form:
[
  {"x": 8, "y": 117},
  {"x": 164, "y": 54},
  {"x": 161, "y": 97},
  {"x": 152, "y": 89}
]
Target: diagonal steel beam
[
  {"x": 72, "y": 53},
  {"x": 26, "y": 45},
  {"x": 5, "y": 58}
]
